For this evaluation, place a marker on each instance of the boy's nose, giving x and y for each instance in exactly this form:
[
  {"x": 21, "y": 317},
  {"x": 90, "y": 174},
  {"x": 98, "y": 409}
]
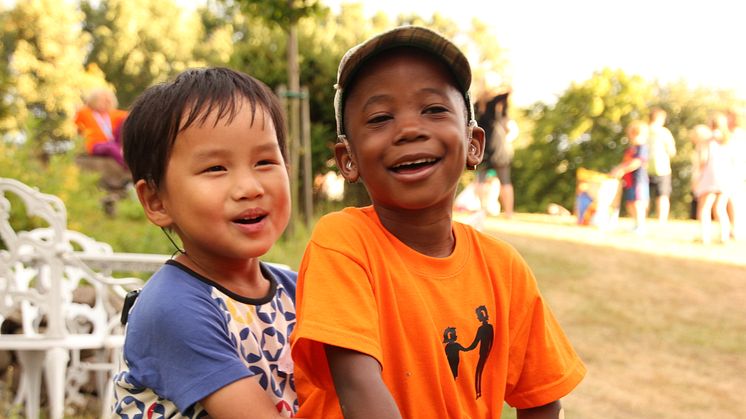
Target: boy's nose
[
  {"x": 247, "y": 186},
  {"x": 410, "y": 129}
]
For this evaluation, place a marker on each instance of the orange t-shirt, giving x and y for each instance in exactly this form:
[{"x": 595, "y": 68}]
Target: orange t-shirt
[
  {"x": 90, "y": 129},
  {"x": 455, "y": 336}
]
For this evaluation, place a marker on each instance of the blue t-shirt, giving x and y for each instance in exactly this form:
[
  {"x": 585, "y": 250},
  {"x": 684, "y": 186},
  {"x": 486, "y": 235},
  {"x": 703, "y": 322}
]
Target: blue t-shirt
[{"x": 187, "y": 337}]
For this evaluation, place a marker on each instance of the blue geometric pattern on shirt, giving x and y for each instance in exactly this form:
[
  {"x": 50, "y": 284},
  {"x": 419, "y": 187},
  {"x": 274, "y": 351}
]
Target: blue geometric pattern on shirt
[
  {"x": 261, "y": 336},
  {"x": 258, "y": 334},
  {"x": 267, "y": 312},
  {"x": 273, "y": 343}
]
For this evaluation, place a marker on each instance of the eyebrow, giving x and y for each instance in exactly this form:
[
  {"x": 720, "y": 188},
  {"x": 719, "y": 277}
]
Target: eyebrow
[
  {"x": 218, "y": 152},
  {"x": 375, "y": 99}
]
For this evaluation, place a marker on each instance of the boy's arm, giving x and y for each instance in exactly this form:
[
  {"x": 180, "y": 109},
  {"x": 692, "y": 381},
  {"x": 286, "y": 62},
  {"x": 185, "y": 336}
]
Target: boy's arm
[
  {"x": 359, "y": 385},
  {"x": 244, "y": 398},
  {"x": 552, "y": 410},
  {"x": 626, "y": 167}
]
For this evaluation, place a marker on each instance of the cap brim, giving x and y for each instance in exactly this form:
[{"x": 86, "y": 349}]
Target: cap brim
[
  {"x": 409, "y": 36},
  {"x": 403, "y": 36}
]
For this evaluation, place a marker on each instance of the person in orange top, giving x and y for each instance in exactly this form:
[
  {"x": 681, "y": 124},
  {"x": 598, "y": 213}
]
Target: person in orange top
[
  {"x": 403, "y": 312},
  {"x": 100, "y": 122}
]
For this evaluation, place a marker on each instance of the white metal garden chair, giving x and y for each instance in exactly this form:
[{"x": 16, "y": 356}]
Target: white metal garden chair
[{"x": 39, "y": 270}]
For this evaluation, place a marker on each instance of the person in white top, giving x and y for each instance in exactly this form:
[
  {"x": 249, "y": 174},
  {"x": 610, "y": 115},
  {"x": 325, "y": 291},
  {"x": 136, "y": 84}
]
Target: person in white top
[{"x": 662, "y": 148}]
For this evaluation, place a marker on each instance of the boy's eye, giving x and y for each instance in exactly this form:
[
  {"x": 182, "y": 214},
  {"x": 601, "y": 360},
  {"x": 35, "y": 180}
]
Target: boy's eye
[
  {"x": 215, "y": 168},
  {"x": 377, "y": 119},
  {"x": 435, "y": 109},
  {"x": 265, "y": 162}
]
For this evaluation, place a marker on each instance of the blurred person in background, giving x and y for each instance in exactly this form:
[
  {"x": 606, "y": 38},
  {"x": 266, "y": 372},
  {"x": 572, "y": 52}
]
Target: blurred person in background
[
  {"x": 736, "y": 206},
  {"x": 716, "y": 175},
  {"x": 491, "y": 111},
  {"x": 634, "y": 174},
  {"x": 661, "y": 148},
  {"x": 99, "y": 122}
]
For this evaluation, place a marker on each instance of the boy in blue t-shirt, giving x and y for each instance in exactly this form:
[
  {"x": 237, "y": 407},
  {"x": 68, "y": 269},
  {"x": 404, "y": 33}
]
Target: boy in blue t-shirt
[{"x": 208, "y": 334}]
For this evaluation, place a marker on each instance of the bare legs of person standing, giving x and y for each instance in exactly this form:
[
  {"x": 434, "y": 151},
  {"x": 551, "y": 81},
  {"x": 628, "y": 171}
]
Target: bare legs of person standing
[
  {"x": 506, "y": 199},
  {"x": 718, "y": 201},
  {"x": 663, "y": 206}
]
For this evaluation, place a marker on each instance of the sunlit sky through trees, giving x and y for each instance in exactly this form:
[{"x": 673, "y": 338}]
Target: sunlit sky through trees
[{"x": 552, "y": 43}]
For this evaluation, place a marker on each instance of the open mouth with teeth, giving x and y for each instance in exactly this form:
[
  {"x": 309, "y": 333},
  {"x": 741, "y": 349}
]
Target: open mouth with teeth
[
  {"x": 253, "y": 220},
  {"x": 413, "y": 166}
]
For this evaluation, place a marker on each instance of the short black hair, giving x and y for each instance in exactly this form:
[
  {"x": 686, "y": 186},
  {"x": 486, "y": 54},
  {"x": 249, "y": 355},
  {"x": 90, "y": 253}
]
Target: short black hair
[{"x": 156, "y": 116}]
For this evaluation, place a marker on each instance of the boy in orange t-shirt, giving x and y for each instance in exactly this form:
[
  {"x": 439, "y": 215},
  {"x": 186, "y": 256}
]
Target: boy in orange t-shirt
[{"x": 403, "y": 312}]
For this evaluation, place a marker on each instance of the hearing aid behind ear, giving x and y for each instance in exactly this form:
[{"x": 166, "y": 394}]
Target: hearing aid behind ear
[{"x": 472, "y": 125}]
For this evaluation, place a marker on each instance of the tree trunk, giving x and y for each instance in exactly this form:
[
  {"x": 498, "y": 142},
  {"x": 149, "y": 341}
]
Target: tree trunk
[{"x": 294, "y": 123}]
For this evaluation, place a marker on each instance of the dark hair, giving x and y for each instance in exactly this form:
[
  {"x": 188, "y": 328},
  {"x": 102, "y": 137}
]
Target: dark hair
[{"x": 156, "y": 116}]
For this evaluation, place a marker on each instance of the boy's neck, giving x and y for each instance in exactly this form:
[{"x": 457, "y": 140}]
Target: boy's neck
[
  {"x": 243, "y": 277},
  {"x": 429, "y": 232}
]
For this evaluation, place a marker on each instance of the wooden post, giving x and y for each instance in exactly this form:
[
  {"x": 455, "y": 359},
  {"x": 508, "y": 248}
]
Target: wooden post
[
  {"x": 294, "y": 121},
  {"x": 282, "y": 94},
  {"x": 307, "y": 172}
]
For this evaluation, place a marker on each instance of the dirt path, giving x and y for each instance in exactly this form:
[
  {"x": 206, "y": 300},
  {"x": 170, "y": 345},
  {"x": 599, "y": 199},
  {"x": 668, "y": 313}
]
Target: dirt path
[{"x": 676, "y": 239}]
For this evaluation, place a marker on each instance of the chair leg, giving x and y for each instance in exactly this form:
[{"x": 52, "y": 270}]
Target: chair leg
[
  {"x": 29, "y": 388},
  {"x": 107, "y": 397},
  {"x": 55, "y": 367}
]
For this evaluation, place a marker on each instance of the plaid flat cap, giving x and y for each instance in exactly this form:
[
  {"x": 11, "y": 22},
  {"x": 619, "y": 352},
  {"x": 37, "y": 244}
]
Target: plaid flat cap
[{"x": 403, "y": 36}]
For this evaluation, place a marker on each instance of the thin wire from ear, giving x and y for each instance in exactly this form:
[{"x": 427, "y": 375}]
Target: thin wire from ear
[{"x": 178, "y": 249}]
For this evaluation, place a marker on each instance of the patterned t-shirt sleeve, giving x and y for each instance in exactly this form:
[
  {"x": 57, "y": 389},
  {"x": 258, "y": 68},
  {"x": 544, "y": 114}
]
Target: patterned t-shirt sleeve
[{"x": 177, "y": 341}]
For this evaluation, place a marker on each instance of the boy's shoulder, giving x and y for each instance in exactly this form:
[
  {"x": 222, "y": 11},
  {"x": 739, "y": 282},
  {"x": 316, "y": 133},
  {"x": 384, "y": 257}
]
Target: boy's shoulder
[
  {"x": 346, "y": 220},
  {"x": 489, "y": 244},
  {"x": 174, "y": 279},
  {"x": 285, "y": 277},
  {"x": 171, "y": 289},
  {"x": 175, "y": 285}
]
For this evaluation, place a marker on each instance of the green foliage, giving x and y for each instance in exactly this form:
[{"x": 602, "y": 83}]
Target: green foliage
[
  {"x": 128, "y": 231},
  {"x": 138, "y": 43},
  {"x": 51, "y": 52},
  {"x": 284, "y": 13},
  {"x": 44, "y": 47},
  {"x": 585, "y": 128}
]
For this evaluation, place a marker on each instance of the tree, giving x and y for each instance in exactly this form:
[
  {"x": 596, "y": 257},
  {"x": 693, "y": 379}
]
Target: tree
[
  {"x": 8, "y": 107},
  {"x": 45, "y": 49},
  {"x": 287, "y": 15},
  {"x": 137, "y": 43},
  {"x": 585, "y": 128}
]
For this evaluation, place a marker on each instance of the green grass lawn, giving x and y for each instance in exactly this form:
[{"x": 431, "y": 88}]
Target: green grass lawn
[{"x": 663, "y": 337}]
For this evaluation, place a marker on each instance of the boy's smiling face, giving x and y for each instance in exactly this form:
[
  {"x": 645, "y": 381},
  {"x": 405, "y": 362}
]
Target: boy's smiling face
[
  {"x": 226, "y": 190},
  {"x": 407, "y": 131}
]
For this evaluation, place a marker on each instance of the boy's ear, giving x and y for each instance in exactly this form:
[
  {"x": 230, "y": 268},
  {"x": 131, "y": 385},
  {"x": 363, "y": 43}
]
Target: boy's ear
[
  {"x": 345, "y": 162},
  {"x": 152, "y": 204},
  {"x": 475, "y": 146}
]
